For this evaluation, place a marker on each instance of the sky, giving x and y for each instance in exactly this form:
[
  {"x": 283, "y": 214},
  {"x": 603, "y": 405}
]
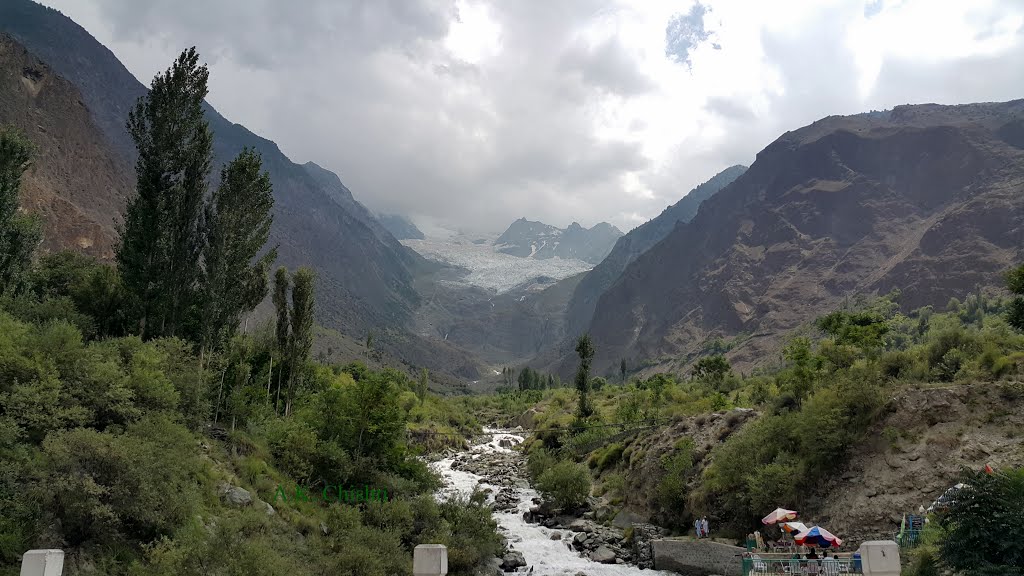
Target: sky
[{"x": 468, "y": 114}]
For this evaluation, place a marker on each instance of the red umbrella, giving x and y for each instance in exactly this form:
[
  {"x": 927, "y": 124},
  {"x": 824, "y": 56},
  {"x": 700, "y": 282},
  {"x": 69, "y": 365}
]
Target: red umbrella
[{"x": 779, "y": 515}]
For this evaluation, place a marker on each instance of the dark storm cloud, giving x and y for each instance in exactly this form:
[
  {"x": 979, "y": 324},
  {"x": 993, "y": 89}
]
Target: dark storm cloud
[{"x": 685, "y": 32}]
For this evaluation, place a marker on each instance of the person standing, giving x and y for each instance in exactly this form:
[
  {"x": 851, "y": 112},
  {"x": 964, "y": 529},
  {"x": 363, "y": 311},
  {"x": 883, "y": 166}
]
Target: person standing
[
  {"x": 704, "y": 526},
  {"x": 696, "y": 527}
]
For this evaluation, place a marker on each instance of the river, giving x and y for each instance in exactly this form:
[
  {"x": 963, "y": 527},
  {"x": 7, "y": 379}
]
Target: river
[{"x": 544, "y": 555}]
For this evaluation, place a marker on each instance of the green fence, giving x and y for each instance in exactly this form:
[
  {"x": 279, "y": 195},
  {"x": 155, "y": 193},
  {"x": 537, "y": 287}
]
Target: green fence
[{"x": 907, "y": 538}]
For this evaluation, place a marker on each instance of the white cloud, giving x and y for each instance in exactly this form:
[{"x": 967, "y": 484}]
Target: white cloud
[{"x": 471, "y": 113}]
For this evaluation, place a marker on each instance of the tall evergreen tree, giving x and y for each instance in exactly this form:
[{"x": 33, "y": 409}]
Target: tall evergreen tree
[
  {"x": 159, "y": 254},
  {"x": 238, "y": 218},
  {"x": 622, "y": 370},
  {"x": 280, "y": 298},
  {"x": 421, "y": 386},
  {"x": 585, "y": 350},
  {"x": 302, "y": 327},
  {"x": 283, "y": 336},
  {"x": 19, "y": 234}
]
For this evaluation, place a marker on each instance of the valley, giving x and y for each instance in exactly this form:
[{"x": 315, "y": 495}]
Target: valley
[{"x": 553, "y": 319}]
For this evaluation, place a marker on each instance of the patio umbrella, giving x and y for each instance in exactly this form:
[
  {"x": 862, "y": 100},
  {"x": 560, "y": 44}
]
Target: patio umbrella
[
  {"x": 779, "y": 515},
  {"x": 793, "y": 527},
  {"x": 818, "y": 536}
]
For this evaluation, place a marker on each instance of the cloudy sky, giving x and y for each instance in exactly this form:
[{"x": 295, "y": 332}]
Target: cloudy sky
[{"x": 472, "y": 113}]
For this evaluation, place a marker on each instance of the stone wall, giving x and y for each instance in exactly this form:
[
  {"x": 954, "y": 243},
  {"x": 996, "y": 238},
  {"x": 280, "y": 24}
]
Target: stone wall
[{"x": 697, "y": 557}]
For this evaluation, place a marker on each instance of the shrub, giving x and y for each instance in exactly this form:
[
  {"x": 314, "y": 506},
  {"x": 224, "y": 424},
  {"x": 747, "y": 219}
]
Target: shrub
[
  {"x": 567, "y": 484},
  {"x": 983, "y": 523},
  {"x": 538, "y": 461}
]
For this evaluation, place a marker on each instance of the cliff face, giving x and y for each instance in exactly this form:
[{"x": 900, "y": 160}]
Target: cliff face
[
  {"x": 927, "y": 199},
  {"x": 77, "y": 182}
]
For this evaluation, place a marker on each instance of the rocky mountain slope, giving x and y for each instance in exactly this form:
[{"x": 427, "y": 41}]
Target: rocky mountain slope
[
  {"x": 400, "y": 227},
  {"x": 924, "y": 198},
  {"x": 77, "y": 182},
  {"x": 364, "y": 274},
  {"x": 636, "y": 242},
  {"x": 528, "y": 239}
]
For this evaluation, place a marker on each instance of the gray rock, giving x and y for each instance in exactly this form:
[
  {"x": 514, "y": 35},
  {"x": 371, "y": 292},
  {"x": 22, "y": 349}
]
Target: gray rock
[
  {"x": 579, "y": 538},
  {"x": 589, "y": 515},
  {"x": 603, "y": 554},
  {"x": 513, "y": 560},
  {"x": 236, "y": 496},
  {"x": 556, "y": 535},
  {"x": 625, "y": 519},
  {"x": 270, "y": 509},
  {"x": 323, "y": 529},
  {"x": 580, "y": 526}
]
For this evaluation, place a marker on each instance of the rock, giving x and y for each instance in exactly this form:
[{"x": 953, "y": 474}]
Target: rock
[
  {"x": 620, "y": 561},
  {"x": 589, "y": 515},
  {"x": 580, "y": 526},
  {"x": 236, "y": 496},
  {"x": 603, "y": 554},
  {"x": 513, "y": 560},
  {"x": 625, "y": 519},
  {"x": 603, "y": 513},
  {"x": 270, "y": 509},
  {"x": 323, "y": 529},
  {"x": 556, "y": 535},
  {"x": 505, "y": 443},
  {"x": 579, "y": 539},
  {"x": 526, "y": 419}
]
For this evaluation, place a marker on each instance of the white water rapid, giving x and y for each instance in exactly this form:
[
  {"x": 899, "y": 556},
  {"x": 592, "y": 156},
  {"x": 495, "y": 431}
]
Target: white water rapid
[{"x": 544, "y": 555}]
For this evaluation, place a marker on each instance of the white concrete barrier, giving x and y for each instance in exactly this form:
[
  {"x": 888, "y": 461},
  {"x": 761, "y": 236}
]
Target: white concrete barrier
[
  {"x": 428, "y": 560},
  {"x": 880, "y": 558},
  {"x": 42, "y": 563}
]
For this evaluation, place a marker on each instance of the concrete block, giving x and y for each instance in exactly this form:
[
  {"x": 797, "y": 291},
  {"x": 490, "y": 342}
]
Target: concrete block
[
  {"x": 430, "y": 560},
  {"x": 880, "y": 558},
  {"x": 42, "y": 563}
]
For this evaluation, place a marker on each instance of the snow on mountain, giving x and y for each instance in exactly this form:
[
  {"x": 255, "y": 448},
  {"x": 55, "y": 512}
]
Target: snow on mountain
[{"x": 488, "y": 268}]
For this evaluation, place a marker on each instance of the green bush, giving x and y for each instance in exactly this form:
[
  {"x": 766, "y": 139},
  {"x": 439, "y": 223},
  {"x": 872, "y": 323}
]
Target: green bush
[{"x": 566, "y": 484}]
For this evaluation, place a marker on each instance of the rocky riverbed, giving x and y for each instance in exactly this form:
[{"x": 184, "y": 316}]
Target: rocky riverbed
[{"x": 539, "y": 542}]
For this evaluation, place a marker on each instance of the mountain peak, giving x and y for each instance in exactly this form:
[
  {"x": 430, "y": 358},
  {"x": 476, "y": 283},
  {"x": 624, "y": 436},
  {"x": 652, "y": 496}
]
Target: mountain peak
[{"x": 528, "y": 239}]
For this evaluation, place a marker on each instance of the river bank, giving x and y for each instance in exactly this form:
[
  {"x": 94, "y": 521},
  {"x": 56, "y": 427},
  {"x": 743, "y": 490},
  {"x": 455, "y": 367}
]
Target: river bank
[{"x": 537, "y": 543}]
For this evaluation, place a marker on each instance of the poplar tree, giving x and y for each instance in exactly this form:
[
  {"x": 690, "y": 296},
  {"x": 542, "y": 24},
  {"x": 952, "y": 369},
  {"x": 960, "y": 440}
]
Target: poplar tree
[
  {"x": 280, "y": 299},
  {"x": 19, "y": 234},
  {"x": 421, "y": 386},
  {"x": 238, "y": 218},
  {"x": 302, "y": 327},
  {"x": 161, "y": 241},
  {"x": 585, "y": 350}
]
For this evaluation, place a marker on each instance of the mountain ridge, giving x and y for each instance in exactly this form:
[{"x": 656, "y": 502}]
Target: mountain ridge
[
  {"x": 924, "y": 198},
  {"x": 533, "y": 239},
  {"x": 636, "y": 242}
]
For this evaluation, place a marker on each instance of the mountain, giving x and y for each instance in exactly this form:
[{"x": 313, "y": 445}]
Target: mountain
[
  {"x": 926, "y": 199},
  {"x": 365, "y": 275},
  {"x": 528, "y": 239},
  {"x": 77, "y": 182},
  {"x": 400, "y": 227},
  {"x": 636, "y": 242}
]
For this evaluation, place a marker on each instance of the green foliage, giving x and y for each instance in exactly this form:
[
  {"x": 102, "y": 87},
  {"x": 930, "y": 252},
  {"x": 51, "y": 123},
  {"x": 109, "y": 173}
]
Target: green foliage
[
  {"x": 162, "y": 239},
  {"x": 712, "y": 370},
  {"x": 19, "y": 234},
  {"x": 538, "y": 462},
  {"x": 585, "y": 350},
  {"x": 237, "y": 221},
  {"x": 672, "y": 491},
  {"x": 983, "y": 524},
  {"x": 566, "y": 484},
  {"x": 863, "y": 329}
]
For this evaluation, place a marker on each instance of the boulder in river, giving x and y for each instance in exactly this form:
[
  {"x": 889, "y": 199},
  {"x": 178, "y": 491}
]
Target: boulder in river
[
  {"x": 603, "y": 554},
  {"x": 513, "y": 560},
  {"x": 556, "y": 535}
]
